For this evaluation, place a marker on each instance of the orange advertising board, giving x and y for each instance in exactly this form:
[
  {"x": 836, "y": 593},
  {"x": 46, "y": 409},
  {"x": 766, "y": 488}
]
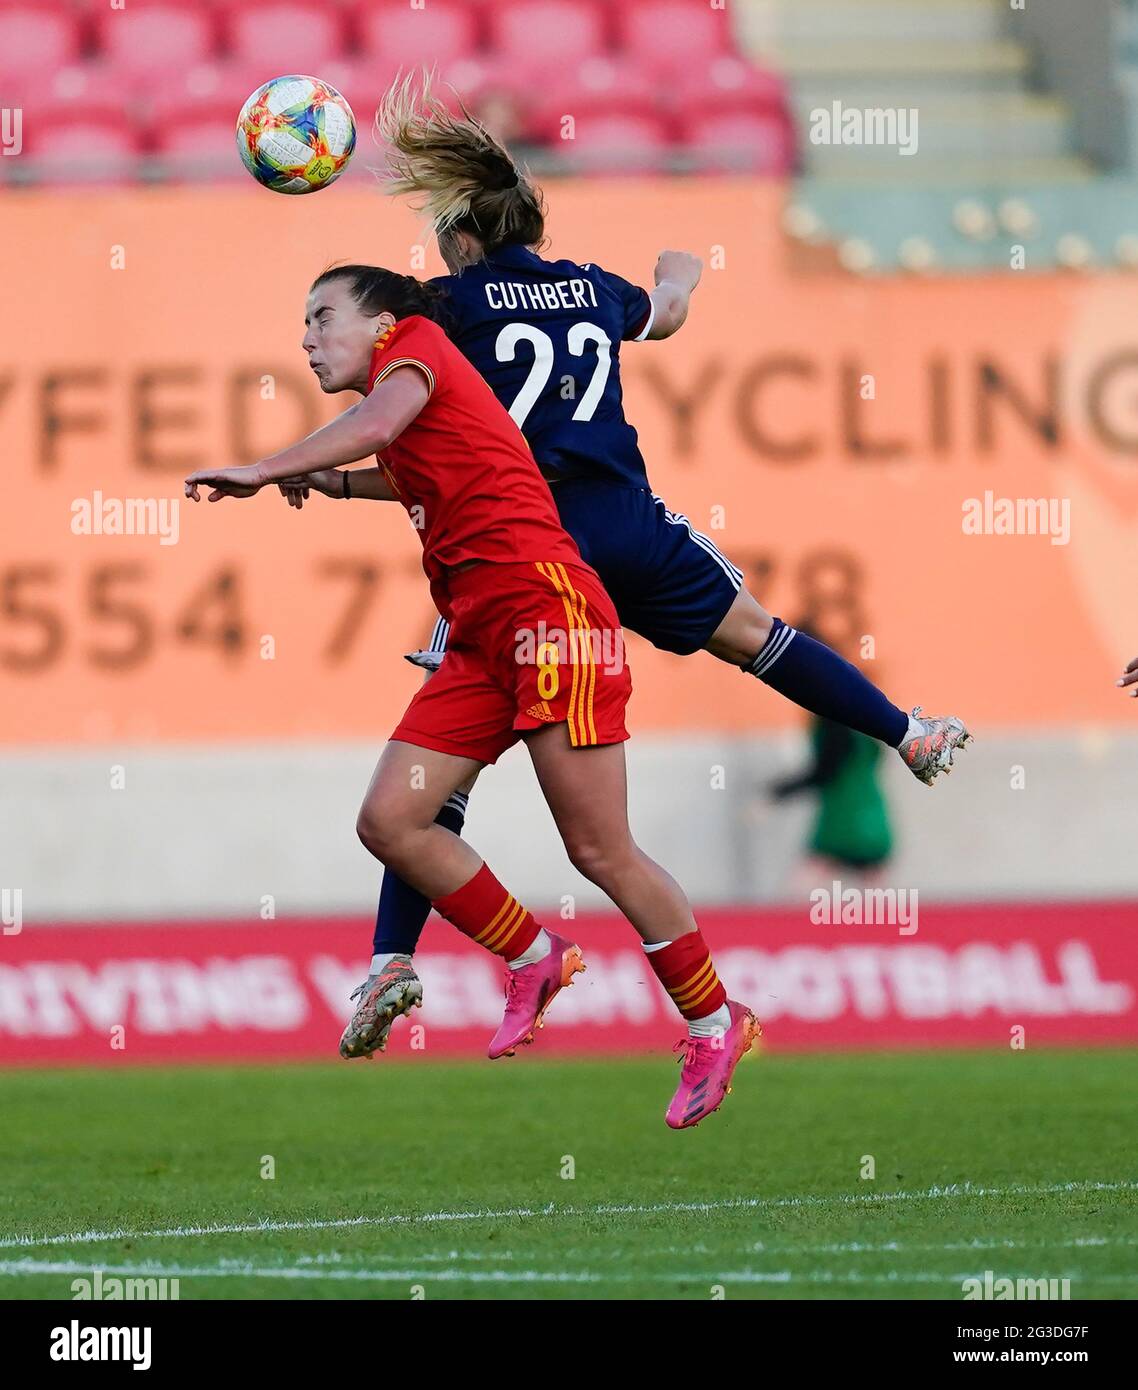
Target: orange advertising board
[{"x": 858, "y": 446}]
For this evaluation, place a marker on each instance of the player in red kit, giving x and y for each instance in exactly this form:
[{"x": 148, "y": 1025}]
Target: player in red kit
[{"x": 535, "y": 653}]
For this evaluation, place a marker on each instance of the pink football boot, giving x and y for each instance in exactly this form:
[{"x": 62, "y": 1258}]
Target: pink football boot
[
  {"x": 708, "y": 1066},
  {"x": 529, "y": 992}
]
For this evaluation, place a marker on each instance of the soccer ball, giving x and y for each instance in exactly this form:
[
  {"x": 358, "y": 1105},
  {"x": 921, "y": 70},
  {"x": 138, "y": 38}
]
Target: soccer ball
[{"x": 296, "y": 134}]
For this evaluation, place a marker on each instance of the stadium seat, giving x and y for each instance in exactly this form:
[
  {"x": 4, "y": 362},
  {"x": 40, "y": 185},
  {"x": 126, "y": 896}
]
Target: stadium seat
[
  {"x": 599, "y": 79},
  {"x": 81, "y": 148},
  {"x": 616, "y": 144},
  {"x": 363, "y": 80},
  {"x": 673, "y": 36},
  {"x": 211, "y": 83},
  {"x": 398, "y": 36},
  {"x": 739, "y": 142},
  {"x": 272, "y": 33},
  {"x": 598, "y": 85},
  {"x": 199, "y": 146},
  {"x": 76, "y": 87},
  {"x": 629, "y": 75},
  {"x": 729, "y": 83},
  {"x": 35, "y": 41},
  {"x": 536, "y": 34},
  {"x": 147, "y": 44}
]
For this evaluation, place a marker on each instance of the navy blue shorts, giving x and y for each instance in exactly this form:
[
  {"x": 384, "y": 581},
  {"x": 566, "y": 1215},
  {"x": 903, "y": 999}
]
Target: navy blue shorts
[{"x": 669, "y": 582}]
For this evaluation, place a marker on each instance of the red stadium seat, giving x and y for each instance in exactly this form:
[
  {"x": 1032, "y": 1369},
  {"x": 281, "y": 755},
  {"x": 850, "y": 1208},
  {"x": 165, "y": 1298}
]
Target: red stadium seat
[
  {"x": 601, "y": 79},
  {"x": 200, "y": 145},
  {"x": 230, "y": 84},
  {"x": 364, "y": 80},
  {"x": 616, "y": 144},
  {"x": 395, "y": 35},
  {"x": 475, "y": 78},
  {"x": 674, "y": 35},
  {"x": 536, "y": 34},
  {"x": 211, "y": 85},
  {"x": 35, "y": 41},
  {"x": 361, "y": 82},
  {"x": 729, "y": 83},
  {"x": 149, "y": 43},
  {"x": 77, "y": 87},
  {"x": 740, "y": 142},
  {"x": 599, "y": 85},
  {"x": 285, "y": 36},
  {"x": 88, "y": 147}
]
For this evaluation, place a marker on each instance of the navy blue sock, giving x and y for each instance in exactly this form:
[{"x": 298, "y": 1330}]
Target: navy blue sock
[
  {"x": 402, "y": 913},
  {"x": 817, "y": 678}
]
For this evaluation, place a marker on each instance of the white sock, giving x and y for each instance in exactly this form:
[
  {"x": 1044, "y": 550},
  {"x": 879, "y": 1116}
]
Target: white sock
[
  {"x": 378, "y": 962},
  {"x": 916, "y": 729},
  {"x": 650, "y": 946},
  {"x": 710, "y": 1024},
  {"x": 537, "y": 950}
]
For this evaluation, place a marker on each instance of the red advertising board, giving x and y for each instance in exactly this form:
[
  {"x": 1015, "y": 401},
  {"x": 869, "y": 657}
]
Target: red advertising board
[{"x": 187, "y": 992}]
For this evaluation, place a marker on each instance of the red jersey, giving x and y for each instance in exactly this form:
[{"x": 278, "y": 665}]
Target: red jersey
[{"x": 462, "y": 468}]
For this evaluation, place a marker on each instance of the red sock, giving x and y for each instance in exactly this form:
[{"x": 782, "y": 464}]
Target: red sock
[
  {"x": 685, "y": 968},
  {"x": 484, "y": 911}
]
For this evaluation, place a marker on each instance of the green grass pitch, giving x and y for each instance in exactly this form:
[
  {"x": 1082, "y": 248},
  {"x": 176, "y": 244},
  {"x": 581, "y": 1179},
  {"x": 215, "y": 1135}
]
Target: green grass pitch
[{"x": 442, "y": 1180}]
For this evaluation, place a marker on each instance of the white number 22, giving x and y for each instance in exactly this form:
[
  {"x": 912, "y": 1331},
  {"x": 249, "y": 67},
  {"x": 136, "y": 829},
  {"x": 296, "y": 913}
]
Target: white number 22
[{"x": 579, "y": 337}]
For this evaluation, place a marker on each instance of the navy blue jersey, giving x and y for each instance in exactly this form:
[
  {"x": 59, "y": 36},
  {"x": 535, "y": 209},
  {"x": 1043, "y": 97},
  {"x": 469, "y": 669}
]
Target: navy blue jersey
[{"x": 546, "y": 336}]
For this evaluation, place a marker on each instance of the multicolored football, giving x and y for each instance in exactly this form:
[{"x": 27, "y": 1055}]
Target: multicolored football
[{"x": 296, "y": 134}]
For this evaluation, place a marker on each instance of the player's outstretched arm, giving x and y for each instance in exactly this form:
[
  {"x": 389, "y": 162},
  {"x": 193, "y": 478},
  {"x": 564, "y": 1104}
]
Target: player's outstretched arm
[
  {"x": 368, "y": 483},
  {"x": 677, "y": 274},
  {"x": 1130, "y": 677},
  {"x": 364, "y": 429}
]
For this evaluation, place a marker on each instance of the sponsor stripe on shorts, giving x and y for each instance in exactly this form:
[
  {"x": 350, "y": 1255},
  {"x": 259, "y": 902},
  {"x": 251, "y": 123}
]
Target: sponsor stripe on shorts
[
  {"x": 547, "y": 572},
  {"x": 733, "y": 572},
  {"x": 582, "y": 729},
  {"x": 585, "y": 655}
]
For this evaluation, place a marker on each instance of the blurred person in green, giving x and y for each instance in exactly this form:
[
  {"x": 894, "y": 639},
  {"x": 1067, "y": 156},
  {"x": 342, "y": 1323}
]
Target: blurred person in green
[{"x": 852, "y": 831}]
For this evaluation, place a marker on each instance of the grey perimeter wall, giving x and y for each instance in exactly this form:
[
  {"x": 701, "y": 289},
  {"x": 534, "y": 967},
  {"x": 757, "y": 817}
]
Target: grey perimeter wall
[{"x": 211, "y": 831}]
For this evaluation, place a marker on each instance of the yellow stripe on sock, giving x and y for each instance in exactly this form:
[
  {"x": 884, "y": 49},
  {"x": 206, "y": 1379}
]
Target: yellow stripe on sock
[
  {"x": 711, "y": 985},
  {"x": 507, "y": 906},
  {"x": 506, "y": 928},
  {"x": 693, "y": 983}
]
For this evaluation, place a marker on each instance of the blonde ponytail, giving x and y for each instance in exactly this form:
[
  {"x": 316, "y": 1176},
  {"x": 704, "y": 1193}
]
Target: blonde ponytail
[{"x": 459, "y": 175}]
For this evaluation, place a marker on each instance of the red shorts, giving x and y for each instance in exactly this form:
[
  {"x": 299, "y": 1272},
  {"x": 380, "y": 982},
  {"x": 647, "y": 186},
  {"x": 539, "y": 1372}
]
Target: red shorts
[{"x": 530, "y": 644}]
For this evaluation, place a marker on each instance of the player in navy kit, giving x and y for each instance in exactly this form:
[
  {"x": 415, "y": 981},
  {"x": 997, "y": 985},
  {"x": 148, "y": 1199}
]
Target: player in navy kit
[{"x": 546, "y": 337}]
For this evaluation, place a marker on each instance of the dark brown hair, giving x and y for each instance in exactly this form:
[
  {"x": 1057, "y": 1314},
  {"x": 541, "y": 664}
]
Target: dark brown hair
[{"x": 375, "y": 289}]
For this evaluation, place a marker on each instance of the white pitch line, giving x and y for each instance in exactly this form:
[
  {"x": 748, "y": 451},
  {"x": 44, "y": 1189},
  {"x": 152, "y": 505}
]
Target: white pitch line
[
  {"x": 894, "y": 1247},
  {"x": 28, "y": 1267},
  {"x": 890, "y": 1247},
  {"x": 952, "y": 1191}
]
